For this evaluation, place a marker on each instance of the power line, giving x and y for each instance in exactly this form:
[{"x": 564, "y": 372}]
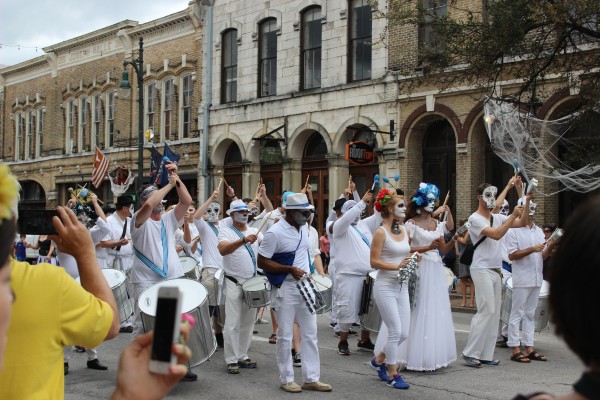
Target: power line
[{"x": 19, "y": 46}]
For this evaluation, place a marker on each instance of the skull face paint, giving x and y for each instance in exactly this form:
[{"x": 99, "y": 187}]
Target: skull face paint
[
  {"x": 489, "y": 196},
  {"x": 430, "y": 203},
  {"x": 213, "y": 211},
  {"x": 400, "y": 209},
  {"x": 241, "y": 217},
  {"x": 504, "y": 210}
]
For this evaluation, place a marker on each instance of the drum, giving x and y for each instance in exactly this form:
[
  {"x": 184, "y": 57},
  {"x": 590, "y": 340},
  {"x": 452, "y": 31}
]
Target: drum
[
  {"x": 257, "y": 291},
  {"x": 201, "y": 341},
  {"x": 190, "y": 267},
  {"x": 116, "y": 281},
  {"x": 371, "y": 319},
  {"x": 541, "y": 317},
  {"x": 450, "y": 278},
  {"x": 324, "y": 285}
]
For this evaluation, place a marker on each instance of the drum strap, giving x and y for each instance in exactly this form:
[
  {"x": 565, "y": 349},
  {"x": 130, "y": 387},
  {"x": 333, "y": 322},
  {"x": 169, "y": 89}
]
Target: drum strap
[
  {"x": 362, "y": 236},
  {"x": 147, "y": 262},
  {"x": 311, "y": 264},
  {"x": 232, "y": 279},
  {"x": 247, "y": 246},
  {"x": 214, "y": 228}
]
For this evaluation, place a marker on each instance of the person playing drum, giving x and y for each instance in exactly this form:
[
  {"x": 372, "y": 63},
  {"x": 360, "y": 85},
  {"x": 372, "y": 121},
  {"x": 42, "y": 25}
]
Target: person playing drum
[
  {"x": 238, "y": 245},
  {"x": 287, "y": 241}
]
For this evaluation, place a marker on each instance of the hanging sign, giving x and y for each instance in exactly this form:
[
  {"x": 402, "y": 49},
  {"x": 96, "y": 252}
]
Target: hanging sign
[{"x": 360, "y": 153}]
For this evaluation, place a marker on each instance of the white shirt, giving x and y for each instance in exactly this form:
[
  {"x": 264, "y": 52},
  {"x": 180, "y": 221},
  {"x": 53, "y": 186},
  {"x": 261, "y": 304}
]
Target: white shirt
[
  {"x": 240, "y": 264},
  {"x": 313, "y": 237},
  {"x": 115, "y": 224},
  {"x": 148, "y": 240},
  {"x": 283, "y": 238},
  {"x": 272, "y": 215},
  {"x": 371, "y": 223},
  {"x": 210, "y": 242},
  {"x": 352, "y": 254},
  {"x": 68, "y": 262},
  {"x": 526, "y": 271},
  {"x": 489, "y": 253}
]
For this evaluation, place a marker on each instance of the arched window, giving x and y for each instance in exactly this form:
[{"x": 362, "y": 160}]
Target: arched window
[
  {"x": 229, "y": 67},
  {"x": 83, "y": 122},
  {"x": 187, "y": 92},
  {"x": 315, "y": 147},
  {"x": 70, "y": 121},
  {"x": 168, "y": 124},
  {"x": 39, "y": 130},
  {"x": 311, "y": 48},
  {"x": 111, "y": 108},
  {"x": 267, "y": 58},
  {"x": 150, "y": 109}
]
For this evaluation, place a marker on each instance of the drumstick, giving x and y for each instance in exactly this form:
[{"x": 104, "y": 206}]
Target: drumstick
[
  {"x": 220, "y": 183},
  {"x": 265, "y": 219},
  {"x": 319, "y": 283},
  {"x": 222, "y": 177},
  {"x": 443, "y": 213},
  {"x": 257, "y": 196},
  {"x": 307, "y": 178}
]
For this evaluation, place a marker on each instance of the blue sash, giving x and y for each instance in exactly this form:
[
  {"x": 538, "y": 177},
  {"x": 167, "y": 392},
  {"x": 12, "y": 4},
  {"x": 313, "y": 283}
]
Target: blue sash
[
  {"x": 214, "y": 228},
  {"x": 247, "y": 246},
  {"x": 285, "y": 258},
  {"x": 155, "y": 268},
  {"x": 362, "y": 236}
]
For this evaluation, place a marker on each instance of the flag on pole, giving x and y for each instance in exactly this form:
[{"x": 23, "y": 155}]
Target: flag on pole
[
  {"x": 155, "y": 161},
  {"x": 168, "y": 155},
  {"x": 100, "y": 168}
]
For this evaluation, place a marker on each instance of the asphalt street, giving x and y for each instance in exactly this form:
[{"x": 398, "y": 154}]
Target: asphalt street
[{"x": 350, "y": 376}]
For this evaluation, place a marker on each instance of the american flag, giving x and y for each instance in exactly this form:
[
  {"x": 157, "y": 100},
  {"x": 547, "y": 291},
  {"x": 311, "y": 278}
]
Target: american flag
[{"x": 100, "y": 168}]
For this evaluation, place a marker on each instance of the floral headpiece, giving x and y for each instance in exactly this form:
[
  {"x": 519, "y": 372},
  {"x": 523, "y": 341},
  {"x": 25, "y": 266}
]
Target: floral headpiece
[
  {"x": 426, "y": 193},
  {"x": 9, "y": 192},
  {"x": 382, "y": 199}
]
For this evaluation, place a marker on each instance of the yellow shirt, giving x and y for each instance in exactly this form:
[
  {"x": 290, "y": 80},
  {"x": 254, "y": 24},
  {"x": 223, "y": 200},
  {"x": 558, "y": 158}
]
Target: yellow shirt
[{"x": 50, "y": 311}]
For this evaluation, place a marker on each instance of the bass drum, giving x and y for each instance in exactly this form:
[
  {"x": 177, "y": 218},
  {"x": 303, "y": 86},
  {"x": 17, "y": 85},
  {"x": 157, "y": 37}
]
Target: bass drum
[
  {"x": 542, "y": 315},
  {"x": 201, "y": 341},
  {"x": 116, "y": 281},
  {"x": 370, "y": 319}
]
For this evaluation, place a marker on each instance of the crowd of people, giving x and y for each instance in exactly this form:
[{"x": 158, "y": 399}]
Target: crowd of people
[{"x": 405, "y": 240}]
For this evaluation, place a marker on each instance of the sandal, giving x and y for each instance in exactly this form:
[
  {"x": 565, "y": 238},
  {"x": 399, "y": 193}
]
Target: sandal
[
  {"x": 520, "y": 357},
  {"x": 535, "y": 356},
  {"x": 273, "y": 338}
]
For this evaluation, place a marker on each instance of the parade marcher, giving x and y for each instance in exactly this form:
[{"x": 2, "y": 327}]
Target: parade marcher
[
  {"x": 485, "y": 271},
  {"x": 527, "y": 250},
  {"x": 117, "y": 244},
  {"x": 352, "y": 248},
  {"x": 431, "y": 343},
  {"x": 389, "y": 252},
  {"x": 46, "y": 250},
  {"x": 284, "y": 250},
  {"x": 238, "y": 245},
  {"x": 212, "y": 260}
]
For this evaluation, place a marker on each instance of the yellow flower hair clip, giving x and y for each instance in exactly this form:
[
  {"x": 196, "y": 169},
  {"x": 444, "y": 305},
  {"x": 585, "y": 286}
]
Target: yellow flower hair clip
[{"x": 9, "y": 192}]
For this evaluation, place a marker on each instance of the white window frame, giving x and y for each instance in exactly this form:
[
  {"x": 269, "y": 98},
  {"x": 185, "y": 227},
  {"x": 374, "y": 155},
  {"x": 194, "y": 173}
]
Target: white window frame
[
  {"x": 109, "y": 128},
  {"x": 96, "y": 120},
  {"x": 69, "y": 126},
  {"x": 41, "y": 115},
  {"x": 83, "y": 119},
  {"x": 167, "y": 109},
  {"x": 184, "y": 106},
  {"x": 29, "y": 129},
  {"x": 151, "y": 90},
  {"x": 18, "y": 134}
]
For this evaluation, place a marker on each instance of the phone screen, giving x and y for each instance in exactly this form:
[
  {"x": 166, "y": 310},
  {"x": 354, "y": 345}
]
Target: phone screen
[
  {"x": 163, "y": 329},
  {"x": 36, "y": 222}
]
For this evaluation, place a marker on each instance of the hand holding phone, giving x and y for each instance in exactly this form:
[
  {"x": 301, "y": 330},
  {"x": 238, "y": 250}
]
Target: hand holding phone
[
  {"x": 166, "y": 329},
  {"x": 463, "y": 229},
  {"x": 36, "y": 222}
]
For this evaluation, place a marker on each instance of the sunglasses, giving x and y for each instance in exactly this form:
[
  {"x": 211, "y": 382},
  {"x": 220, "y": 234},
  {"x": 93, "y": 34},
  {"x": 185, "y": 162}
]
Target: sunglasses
[{"x": 304, "y": 213}]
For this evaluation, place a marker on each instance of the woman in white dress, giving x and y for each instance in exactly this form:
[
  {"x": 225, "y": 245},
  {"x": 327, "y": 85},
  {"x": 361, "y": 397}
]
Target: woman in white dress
[{"x": 431, "y": 343}]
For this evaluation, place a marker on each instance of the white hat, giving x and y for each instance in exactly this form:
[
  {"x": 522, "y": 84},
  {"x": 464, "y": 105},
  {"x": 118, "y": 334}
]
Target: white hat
[
  {"x": 297, "y": 201},
  {"x": 237, "y": 205},
  {"x": 348, "y": 205}
]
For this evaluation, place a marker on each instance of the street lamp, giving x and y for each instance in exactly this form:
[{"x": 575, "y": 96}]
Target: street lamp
[{"x": 124, "y": 92}]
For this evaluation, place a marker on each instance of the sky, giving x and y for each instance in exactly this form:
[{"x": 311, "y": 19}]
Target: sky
[{"x": 40, "y": 23}]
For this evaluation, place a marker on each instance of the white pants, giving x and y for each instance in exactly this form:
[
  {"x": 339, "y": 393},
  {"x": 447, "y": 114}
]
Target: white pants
[
  {"x": 212, "y": 285},
  {"x": 348, "y": 290},
  {"x": 137, "y": 289},
  {"x": 524, "y": 303},
  {"x": 291, "y": 307},
  {"x": 394, "y": 307},
  {"x": 332, "y": 276},
  {"x": 92, "y": 354},
  {"x": 484, "y": 325},
  {"x": 503, "y": 327},
  {"x": 237, "y": 333}
]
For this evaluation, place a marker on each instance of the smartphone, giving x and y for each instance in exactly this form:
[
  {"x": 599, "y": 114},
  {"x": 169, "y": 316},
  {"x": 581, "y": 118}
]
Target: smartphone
[
  {"x": 463, "y": 229},
  {"x": 36, "y": 222},
  {"x": 166, "y": 329}
]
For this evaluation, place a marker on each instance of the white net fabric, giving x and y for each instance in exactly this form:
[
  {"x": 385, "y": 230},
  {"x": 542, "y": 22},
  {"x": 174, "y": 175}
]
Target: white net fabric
[
  {"x": 530, "y": 145},
  {"x": 120, "y": 179}
]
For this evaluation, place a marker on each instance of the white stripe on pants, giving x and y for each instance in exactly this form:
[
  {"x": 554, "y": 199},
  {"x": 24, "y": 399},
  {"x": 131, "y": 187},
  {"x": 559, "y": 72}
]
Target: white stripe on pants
[
  {"x": 292, "y": 307},
  {"x": 394, "y": 307},
  {"x": 524, "y": 303},
  {"x": 239, "y": 324},
  {"x": 484, "y": 325}
]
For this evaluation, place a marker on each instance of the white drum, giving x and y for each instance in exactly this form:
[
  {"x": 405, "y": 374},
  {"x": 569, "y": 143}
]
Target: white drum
[
  {"x": 190, "y": 267},
  {"x": 116, "y": 281},
  {"x": 371, "y": 319},
  {"x": 324, "y": 285},
  {"x": 542, "y": 315},
  {"x": 201, "y": 341},
  {"x": 257, "y": 291}
]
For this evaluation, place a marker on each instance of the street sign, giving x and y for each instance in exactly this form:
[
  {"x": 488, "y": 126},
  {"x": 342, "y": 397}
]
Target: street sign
[{"x": 360, "y": 153}]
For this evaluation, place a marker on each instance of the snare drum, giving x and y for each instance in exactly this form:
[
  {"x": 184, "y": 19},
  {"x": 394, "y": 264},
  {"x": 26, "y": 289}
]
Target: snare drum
[
  {"x": 371, "y": 320},
  {"x": 541, "y": 312},
  {"x": 257, "y": 291},
  {"x": 116, "y": 281},
  {"x": 194, "y": 298},
  {"x": 190, "y": 267},
  {"x": 324, "y": 285}
]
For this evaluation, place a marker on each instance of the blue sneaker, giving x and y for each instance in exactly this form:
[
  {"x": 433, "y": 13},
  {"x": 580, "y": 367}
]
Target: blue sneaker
[
  {"x": 398, "y": 383},
  {"x": 380, "y": 368}
]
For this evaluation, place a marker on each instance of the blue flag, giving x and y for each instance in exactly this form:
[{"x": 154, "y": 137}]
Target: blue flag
[
  {"x": 168, "y": 155},
  {"x": 155, "y": 161}
]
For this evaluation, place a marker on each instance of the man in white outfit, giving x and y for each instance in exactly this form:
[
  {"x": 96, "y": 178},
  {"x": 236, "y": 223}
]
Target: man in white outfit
[
  {"x": 486, "y": 274},
  {"x": 527, "y": 251},
  {"x": 284, "y": 251},
  {"x": 238, "y": 244}
]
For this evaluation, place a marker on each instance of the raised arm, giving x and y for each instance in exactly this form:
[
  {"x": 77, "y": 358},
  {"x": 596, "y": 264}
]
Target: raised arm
[
  {"x": 155, "y": 199},
  {"x": 97, "y": 207},
  {"x": 264, "y": 199},
  {"x": 202, "y": 209},
  {"x": 500, "y": 199},
  {"x": 184, "y": 195}
]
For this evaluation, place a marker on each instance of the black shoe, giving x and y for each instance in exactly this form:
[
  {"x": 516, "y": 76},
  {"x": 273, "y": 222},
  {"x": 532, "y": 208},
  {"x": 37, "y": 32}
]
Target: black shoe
[
  {"x": 126, "y": 329},
  {"x": 66, "y": 368},
  {"x": 95, "y": 364},
  {"x": 296, "y": 360},
  {"x": 343, "y": 348},
  {"x": 351, "y": 332},
  {"x": 190, "y": 376},
  {"x": 366, "y": 345},
  {"x": 219, "y": 337},
  {"x": 79, "y": 349}
]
